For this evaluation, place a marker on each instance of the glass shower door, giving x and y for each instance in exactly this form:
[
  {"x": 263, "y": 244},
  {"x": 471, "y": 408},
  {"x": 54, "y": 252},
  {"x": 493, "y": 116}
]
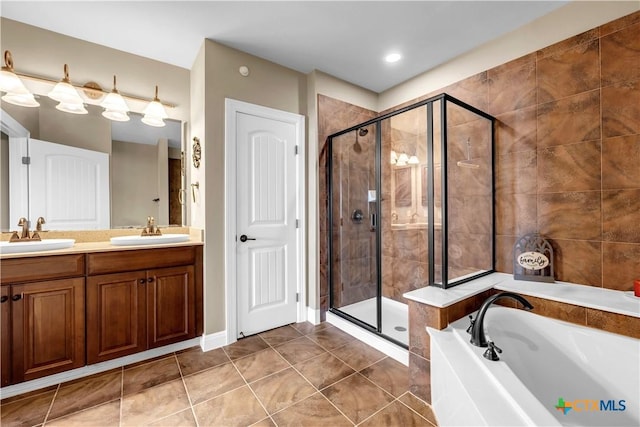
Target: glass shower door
[{"x": 353, "y": 216}]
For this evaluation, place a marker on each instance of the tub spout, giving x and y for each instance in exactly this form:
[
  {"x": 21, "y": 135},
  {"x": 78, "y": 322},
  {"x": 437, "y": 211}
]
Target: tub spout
[{"x": 477, "y": 330}]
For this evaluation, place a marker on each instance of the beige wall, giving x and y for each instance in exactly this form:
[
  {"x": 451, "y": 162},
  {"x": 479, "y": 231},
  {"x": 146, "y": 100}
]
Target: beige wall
[
  {"x": 574, "y": 18},
  {"x": 134, "y": 183},
  {"x": 269, "y": 85}
]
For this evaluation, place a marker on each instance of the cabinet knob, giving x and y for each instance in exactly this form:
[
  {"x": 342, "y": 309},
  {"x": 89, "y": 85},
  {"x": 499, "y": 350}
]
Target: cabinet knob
[
  {"x": 4, "y": 298},
  {"x": 150, "y": 280},
  {"x": 142, "y": 281},
  {"x": 16, "y": 297}
]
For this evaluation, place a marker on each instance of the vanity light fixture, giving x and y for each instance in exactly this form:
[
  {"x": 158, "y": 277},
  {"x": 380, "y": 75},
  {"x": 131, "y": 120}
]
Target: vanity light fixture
[
  {"x": 115, "y": 108},
  {"x": 16, "y": 92},
  {"x": 70, "y": 101},
  {"x": 413, "y": 160},
  {"x": 394, "y": 157},
  {"x": 155, "y": 113},
  {"x": 402, "y": 159}
]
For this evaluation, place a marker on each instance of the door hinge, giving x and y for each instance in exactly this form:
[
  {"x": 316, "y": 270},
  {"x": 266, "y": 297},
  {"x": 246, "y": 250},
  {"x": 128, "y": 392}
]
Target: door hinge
[
  {"x": 295, "y": 150},
  {"x": 297, "y": 223},
  {"x": 297, "y": 297},
  {"x": 26, "y": 160}
]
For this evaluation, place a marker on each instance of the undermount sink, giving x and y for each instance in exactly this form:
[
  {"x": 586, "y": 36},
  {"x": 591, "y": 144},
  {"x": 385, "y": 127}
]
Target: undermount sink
[
  {"x": 149, "y": 240},
  {"x": 35, "y": 245}
]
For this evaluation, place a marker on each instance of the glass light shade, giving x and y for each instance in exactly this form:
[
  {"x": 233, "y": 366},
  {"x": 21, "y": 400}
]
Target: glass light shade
[
  {"x": 154, "y": 114},
  {"x": 65, "y": 94},
  {"x": 117, "y": 116},
  {"x": 413, "y": 160},
  {"x": 21, "y": 99},
  {"x": 403, "y": 158},
  {"x": 114, "y": 102},
  {"x": 11, "y": 83},
  {"x": 394, "y": 157},
  {"x": 72, "y": 108}
]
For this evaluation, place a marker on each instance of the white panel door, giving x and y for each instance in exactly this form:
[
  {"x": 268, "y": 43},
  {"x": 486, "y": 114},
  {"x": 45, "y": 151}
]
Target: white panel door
[
  {"x": 69, "y": 186},
  {"x": 266, "y": 198}
]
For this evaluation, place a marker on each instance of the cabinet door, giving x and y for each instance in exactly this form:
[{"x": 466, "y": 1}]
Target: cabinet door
[
  {"x": 48, "y": 326},
  {"x": 5, "y": 336},
  {"x": 116, "y": 318},
  {"x": 170, "y": 305}
]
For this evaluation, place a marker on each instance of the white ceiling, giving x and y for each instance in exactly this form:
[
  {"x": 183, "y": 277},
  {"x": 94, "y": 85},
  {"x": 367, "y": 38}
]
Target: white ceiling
[{"x": 346, "y": 39}]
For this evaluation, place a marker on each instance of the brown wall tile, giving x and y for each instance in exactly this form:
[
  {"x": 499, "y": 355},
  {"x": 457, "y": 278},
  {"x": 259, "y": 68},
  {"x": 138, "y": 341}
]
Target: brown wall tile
[
  {"x": 516, "y": 173},
  {"x": 420, "y": 377},
  {"x": 621, "y": 56},
  {"x": 569, "y": 43},
  {"x": 620, "y": 216},
  {"x": 558, "y": 310},
  {"x": 621, "y": 109},
  {"x": 511, "y": 88},
  {"x": 620, "y": 162},
  {"x": 569, "y": 120},
  {"x": 620, "y": 265},
  {"x": 419, "y": 340},
  {"x": 613, "y": 322},
  {"x": 619, "y": 23},
  {"x": 569, "y": 72},
  {"x": 504, "y": 253},
  {"x": 570, "y": 215},
  {"x": 578, "y": 261},
  {"x": 516, "y": 131},
  {"x": 574, "y": 167},
  {"x": 516, "y": 214}
]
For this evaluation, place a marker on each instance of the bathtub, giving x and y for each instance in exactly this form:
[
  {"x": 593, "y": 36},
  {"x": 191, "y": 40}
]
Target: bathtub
[{"x": 543, "y": 360}]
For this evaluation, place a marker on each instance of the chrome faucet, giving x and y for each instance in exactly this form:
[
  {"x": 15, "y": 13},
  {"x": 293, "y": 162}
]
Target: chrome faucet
[{"x": 477, "y": 326}]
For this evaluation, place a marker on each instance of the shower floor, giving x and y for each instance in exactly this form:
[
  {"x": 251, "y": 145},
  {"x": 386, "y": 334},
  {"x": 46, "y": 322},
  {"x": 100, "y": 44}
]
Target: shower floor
[{"x": 394, "y": 316}]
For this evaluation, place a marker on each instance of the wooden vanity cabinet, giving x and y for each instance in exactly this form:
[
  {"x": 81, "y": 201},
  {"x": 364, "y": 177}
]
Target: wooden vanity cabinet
[
  {"x": 43, "y": 316},
  {"x": 132, "y": 311}
]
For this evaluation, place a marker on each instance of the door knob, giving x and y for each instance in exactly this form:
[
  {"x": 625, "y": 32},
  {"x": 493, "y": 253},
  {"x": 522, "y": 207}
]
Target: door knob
[{"x": 244, "y": 238}]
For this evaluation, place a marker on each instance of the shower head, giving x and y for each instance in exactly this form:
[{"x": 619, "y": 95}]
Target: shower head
[
  {"x": 356, "y": 146},
  {"x": 468, "y": 163}
]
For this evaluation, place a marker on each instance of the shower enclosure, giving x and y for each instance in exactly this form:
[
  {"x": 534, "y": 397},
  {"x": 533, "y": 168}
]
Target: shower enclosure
[{"x": 410, "y": 204}]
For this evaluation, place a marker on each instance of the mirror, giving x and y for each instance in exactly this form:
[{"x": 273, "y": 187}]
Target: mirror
[
  {"x": 403, "y": 187},
  {"x": 145, "y": 168}
]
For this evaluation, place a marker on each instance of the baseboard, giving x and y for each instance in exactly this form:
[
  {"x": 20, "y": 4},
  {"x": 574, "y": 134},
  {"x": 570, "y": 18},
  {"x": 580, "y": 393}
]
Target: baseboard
[
  {"x": 96, "y": 368},
  {"x": 213, "y": 341},
  {"x": 313, "y": 315},
  {"x": 395, "y": 352}
]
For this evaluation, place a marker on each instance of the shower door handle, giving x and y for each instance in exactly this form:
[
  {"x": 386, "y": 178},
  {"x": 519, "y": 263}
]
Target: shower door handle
[{"x": 372, "y": 218}]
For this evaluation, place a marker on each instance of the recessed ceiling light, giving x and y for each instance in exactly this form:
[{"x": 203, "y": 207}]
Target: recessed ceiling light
[{"x": 393, "y": 57}]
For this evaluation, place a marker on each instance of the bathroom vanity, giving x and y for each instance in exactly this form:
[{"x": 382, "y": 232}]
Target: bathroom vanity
[{"x": 94, "y": 303}]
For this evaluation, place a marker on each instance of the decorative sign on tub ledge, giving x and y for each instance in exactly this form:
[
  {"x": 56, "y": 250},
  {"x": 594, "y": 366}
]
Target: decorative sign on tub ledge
[{"x": 533, "y": 259}]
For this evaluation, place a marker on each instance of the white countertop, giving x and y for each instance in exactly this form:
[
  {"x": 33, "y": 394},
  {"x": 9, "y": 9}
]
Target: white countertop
[{"x": 570, "y": 293}]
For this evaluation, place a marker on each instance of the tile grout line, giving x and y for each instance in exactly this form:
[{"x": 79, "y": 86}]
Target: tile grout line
[
  {"x": 251, "y": 390},
  {"x": 46, "y": 416},
  {"x": 184, "y": 384},
  {"x": 413, "y": 410}
]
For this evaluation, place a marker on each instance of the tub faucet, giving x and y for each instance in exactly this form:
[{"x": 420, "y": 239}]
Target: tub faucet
[{"x": 477, "y": 328}]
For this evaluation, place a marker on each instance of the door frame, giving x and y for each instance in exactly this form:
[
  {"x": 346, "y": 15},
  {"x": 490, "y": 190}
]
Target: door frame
[{"x": 232, "y": 107}]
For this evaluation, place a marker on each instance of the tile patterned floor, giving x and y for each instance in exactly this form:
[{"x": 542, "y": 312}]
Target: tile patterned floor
[{"x": 297, "y": 375}]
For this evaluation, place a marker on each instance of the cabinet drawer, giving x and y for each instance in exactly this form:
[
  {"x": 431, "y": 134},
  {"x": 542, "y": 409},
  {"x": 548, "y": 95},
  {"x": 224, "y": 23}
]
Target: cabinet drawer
[
  {"x": 116, "y": 262},
  {"x": 41, "y": 268}
]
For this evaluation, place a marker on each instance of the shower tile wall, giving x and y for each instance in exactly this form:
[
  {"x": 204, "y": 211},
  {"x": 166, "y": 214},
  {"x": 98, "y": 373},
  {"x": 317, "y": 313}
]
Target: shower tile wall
[
  {"x": 333, "y": 116},
  {"x": 568, "y": 150}
]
